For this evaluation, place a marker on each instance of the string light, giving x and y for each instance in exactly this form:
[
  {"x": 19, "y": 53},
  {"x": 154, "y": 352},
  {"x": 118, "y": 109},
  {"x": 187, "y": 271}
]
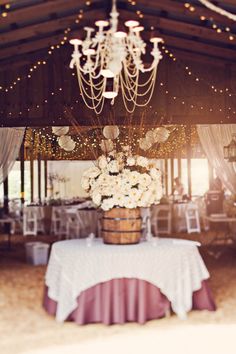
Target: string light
[
  {"x": 5, "y": 9},
  {"x": 218, "y": 28},
  {"x": 175, "y": 97},
  {"x": 50, "y": 51}
]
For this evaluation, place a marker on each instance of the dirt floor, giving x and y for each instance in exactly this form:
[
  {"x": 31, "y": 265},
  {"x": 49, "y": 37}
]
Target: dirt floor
[{"x": 26, "y": 328}]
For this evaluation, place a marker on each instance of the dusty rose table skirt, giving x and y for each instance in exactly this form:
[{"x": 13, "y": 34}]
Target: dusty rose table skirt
[{"x": 126, "y": 300}]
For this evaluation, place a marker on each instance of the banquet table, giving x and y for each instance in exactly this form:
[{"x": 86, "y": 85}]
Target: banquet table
[{"x": 94, "y": 282}]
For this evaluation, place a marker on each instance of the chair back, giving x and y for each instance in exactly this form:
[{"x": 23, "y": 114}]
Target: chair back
[
  {"x": 30, "y": 221},
  {"x": 161, "y": 219},
  {"x": 192, "y": 218}
]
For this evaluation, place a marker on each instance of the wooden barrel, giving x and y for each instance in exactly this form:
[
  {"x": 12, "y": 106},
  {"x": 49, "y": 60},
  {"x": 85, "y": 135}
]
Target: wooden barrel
[{"x": 121, "y": 226}]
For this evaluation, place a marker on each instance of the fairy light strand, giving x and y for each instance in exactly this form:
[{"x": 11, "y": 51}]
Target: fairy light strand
[{"x": 50, "y": 50}]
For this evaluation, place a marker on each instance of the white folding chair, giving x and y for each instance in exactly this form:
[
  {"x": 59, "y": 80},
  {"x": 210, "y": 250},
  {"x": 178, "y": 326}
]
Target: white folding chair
[
  {"x": 73, "y": 223},
  {"x": 40, "y": 219},
  {"x": 192, "y": 218},
  {"x": 161, "y": 219},
  {"x": 146, "y": 222},
  {"x": 57, "y": 221},
  {"x": 30, "y": 221}
]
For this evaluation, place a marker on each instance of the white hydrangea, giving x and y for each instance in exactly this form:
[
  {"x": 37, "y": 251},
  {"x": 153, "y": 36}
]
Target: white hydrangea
[
  {"x": 142, "y": 161},
  {"x": 108, "y": 204},
  {"x": 92, "y": 172},
  {"x": 155, "y": 174},
  {"x": 131, "y": 161},
  {"x": 102, "y": 162},
  {"x": 113, "y": 166},
  {"x": 97, "y": 198}
]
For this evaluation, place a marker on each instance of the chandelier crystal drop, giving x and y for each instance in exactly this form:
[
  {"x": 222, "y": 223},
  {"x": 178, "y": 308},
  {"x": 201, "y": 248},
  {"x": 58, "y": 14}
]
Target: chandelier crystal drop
[{"x": 111, "y": 61}]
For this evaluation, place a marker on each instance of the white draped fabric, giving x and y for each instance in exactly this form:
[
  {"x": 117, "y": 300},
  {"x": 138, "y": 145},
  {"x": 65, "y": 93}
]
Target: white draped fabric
[
  {"x": 10, "y": 142},
  {"x": 213, "y": 138}
]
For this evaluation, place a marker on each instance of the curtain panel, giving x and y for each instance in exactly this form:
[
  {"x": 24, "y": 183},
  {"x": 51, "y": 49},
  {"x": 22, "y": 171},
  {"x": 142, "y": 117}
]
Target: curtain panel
[
  {"x": 213, "y": 138},
  {"x": 10, "y": 143}
]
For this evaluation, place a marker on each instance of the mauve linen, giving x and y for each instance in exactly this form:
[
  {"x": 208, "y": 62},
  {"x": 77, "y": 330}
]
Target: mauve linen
[{"x": 126, "y": 300}]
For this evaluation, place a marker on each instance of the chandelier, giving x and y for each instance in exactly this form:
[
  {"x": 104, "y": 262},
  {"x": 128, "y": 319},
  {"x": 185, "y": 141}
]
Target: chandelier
[
  {"x": 111, "y": 61},
  {"x": 230, "y": 150}
]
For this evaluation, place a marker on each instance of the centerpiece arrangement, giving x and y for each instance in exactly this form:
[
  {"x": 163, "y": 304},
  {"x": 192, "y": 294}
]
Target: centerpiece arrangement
[{"x": 120, "y": 184}]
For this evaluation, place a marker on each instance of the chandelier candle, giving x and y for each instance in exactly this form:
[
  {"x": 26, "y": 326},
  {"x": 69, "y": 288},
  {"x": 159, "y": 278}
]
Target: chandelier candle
[{"x": 115, "y": 56}]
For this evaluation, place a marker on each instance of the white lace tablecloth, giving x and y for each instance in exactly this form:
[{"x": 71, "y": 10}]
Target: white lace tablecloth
[{"x": 174, "y": 266}]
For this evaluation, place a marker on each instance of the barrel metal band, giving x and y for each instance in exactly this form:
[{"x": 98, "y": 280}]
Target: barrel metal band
[
  {"x": 122, "y": 231},
  {"x": 105, "y": 217}
]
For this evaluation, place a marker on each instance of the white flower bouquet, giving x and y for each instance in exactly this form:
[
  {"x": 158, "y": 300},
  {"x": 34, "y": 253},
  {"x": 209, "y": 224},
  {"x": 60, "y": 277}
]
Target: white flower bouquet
[{"x": 120, "y": 179}]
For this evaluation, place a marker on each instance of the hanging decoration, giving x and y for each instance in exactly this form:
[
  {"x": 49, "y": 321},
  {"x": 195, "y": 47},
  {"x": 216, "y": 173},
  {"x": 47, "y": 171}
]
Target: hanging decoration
[
  {"x": 218, "y": 9},
  {"x": 111, "y": 132},
  {"x": 59, "y": 131},
  {"x": 64, "y": 141},
  {"x": 113, "y": 62}
]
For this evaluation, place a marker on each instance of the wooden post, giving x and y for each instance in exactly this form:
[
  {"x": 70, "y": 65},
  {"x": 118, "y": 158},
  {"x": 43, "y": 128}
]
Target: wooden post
[
  {"x": 5, "y": 196},
  {"x": 45, "y": 178},
  {"x": 22, "y": 174},
  {"x": 189, "y": 155},
  {"x": 172, "y": 174},
  {"x": 39, "y": 178},
  {"x": 32, "y": 175},
  {"x": 179, "y": 165},
  {"x": 166, "y": 176}
]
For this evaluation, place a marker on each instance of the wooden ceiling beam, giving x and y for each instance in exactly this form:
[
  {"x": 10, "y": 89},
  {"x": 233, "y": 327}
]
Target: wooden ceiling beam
[
  {"x": 39, "y": 44},
  {"x": 181, "y": 27},
  {"x": 179, "y": 8},
  {"x": 162, "y": 23},
  {"x": 181, "y": 43},
  {"x": 36, "y": 30},
  {"x": 37, "y": 11}
]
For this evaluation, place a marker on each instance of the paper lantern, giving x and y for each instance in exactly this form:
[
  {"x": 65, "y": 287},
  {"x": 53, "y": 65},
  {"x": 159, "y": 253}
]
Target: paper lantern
[
  {"x": 107, "y": 145},
  {"x": 150, "y": 136},
  {"x": 64, "y": 140},
  {"x": 69, "y": 146},
  {"x": 111, "y": 132},
  {"x": 144, "y": 144},
  {"x": 59, "y": 131},
  {"x": 161, "y": 134}
]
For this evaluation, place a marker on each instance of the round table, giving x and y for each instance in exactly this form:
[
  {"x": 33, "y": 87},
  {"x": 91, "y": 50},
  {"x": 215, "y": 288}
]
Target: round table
[{"x": 117, "y": 283}]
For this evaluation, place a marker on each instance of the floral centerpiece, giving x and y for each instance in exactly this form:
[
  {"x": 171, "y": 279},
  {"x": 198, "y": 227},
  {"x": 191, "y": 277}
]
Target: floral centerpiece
[
  {"x": 120, "y": 179},
  {"x": 123, "y": 182}
]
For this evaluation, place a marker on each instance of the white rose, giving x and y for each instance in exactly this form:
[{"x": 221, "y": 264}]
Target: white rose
[
  {"x": 135, "y": 194},
  {"x": 155, "y": 174},
  {"x": 92, "y": 172},
  {"x": 142, "y": 161},
  {"x": 107, "y": 204},
  {"x": 119, "y": 199},
  {"x": 129, "y": 203},
  {"x": 102, "y": 162},
  {"x": 97, "y": 198},
  {"x": 134, "y": 178},
  {"x": 113, "y": 167},
  {"x": 131, "y": 161},
  {"x": 144, "y": 180}
]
